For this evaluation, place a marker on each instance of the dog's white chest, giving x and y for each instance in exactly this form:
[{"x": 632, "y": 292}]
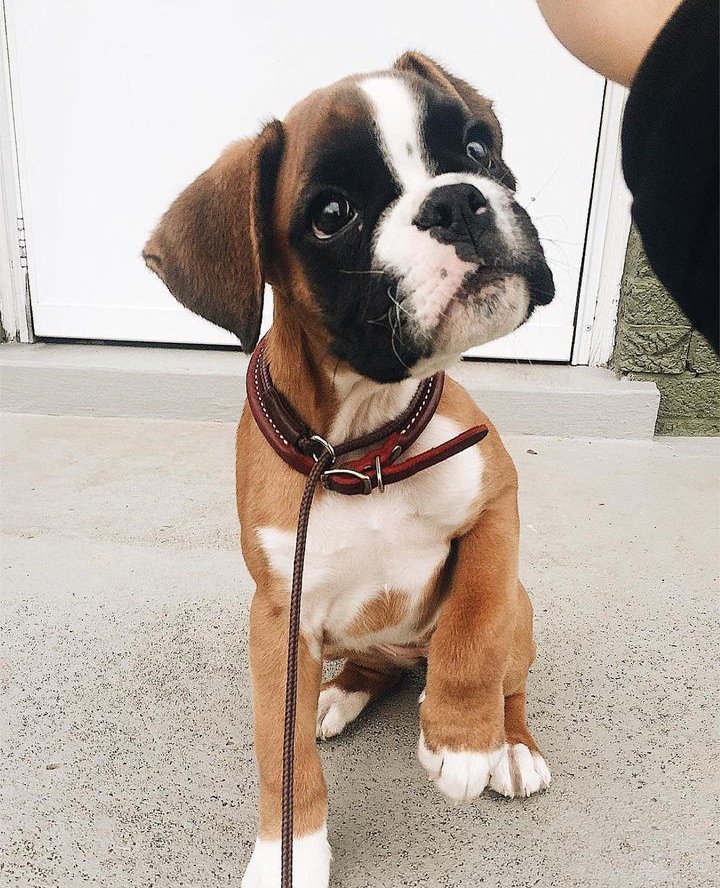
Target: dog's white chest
[{"x": 360, "y": 548}]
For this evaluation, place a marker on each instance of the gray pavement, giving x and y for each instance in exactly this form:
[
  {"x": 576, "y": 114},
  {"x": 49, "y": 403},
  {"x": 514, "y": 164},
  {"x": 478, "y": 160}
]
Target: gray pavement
[{"x": 126, "y": 718}]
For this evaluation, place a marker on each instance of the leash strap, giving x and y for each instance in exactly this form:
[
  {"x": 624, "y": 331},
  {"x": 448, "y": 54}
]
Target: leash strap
[{"x": 288, "y": 769}]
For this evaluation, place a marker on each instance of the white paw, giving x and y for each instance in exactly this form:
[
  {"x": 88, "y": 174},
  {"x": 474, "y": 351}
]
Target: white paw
[
  {"x": 520, "y": 772},
  {"x": 311, "y": 863},
  {"x": 460, "y": 776},
  {"x": 336, "y": 709}
]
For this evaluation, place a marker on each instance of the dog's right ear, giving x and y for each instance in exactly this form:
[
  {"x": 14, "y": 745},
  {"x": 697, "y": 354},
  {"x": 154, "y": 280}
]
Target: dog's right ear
[{"x": 211, "y": 247}]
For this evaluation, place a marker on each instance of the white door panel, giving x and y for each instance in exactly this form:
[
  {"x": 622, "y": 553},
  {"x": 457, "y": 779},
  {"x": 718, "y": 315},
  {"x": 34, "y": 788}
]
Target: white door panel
[{"x": 121, "y": 104}]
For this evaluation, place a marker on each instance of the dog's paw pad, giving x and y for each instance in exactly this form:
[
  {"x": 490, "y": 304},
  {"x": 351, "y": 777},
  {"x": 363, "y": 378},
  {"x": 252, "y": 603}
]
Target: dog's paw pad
[
  {"x": 460, "y": 776},
  {"x": 520, "y": 772},
  {"x": 336, "y": 709}
]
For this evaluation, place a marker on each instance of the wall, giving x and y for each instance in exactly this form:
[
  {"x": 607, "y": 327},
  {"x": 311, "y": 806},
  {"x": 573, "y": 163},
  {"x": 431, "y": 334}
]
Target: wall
[{"x": 655, "y": 341}]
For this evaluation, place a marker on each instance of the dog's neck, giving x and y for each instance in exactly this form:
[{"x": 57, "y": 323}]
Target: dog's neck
[{"x": 334, "y": 400}]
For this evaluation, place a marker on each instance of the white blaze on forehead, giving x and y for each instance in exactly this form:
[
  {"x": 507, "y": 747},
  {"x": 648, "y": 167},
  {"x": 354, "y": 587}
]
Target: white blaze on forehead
[{"x": 396, "y": 110}]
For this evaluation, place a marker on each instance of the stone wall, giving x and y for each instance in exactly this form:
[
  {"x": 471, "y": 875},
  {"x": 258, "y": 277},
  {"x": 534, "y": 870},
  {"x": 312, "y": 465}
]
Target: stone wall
[{"x": 655, "y": 341}]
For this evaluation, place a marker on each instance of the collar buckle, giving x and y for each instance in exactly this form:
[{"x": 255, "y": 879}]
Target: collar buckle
[{"x": 327, "y": 476}]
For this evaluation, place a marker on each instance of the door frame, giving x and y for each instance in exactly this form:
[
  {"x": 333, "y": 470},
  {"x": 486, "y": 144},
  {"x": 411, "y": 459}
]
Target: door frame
[
  {"x": 605, "y": 243},
  {"x": 15, "y": 310},
  {"x": 606, "y": 240}
]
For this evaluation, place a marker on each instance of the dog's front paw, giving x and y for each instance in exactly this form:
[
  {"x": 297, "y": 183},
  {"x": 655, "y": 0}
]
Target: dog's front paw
[
  {"x": 336, "y": 709},
  {"x": 520, "y": 772},
  {"x": 459, "y": 775},
  {"x": 311, "y": 863}
]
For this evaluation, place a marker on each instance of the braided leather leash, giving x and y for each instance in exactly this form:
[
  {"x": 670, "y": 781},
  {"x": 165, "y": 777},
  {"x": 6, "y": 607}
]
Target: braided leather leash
[
  {"x": 316, "y": 458},
  {"x": 288, "y": 772}
]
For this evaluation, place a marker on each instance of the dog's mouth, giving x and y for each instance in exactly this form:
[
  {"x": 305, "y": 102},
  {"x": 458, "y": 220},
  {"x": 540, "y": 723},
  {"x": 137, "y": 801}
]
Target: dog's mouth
[
  {"x": 484, "y": 281},
  {"x": 475, "y": 281},
  {"x": 491, "y": 302}
]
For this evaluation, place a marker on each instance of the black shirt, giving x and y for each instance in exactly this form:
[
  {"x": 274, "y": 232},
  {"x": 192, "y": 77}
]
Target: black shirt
[{"x": 670, "y": 159}]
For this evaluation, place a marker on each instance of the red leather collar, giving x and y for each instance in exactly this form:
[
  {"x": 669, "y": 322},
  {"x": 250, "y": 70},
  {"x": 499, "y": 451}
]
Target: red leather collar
[{"x": 299, "y": 446}]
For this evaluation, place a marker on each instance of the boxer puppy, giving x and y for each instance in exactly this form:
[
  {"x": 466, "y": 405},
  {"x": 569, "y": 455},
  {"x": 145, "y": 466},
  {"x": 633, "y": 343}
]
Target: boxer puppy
[{"x": 383, "y": 216}]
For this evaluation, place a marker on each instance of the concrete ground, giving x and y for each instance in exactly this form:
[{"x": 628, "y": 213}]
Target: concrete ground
[{"x": 126, "y": 751}]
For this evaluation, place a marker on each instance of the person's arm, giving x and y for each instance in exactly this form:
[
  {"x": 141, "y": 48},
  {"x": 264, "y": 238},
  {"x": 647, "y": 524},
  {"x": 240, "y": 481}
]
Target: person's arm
[
  {"x": 611, "y": 36},
  {"x": 667, "y": 52}
]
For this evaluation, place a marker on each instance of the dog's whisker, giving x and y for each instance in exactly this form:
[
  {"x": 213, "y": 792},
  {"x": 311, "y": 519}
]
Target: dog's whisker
[
  {"x": 368, "y": 271},
  {"x": 398, "y": 305},
  {"x": 555, "y": 240},
  {"x": 548, "y": 180},
  {"x": 335, "y": 370},
  {"x": 393, "y": 334}
]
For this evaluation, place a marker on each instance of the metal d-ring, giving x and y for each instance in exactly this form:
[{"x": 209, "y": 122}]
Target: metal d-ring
[
  {"x": 378, "y": 472},
  {"x": 326, "y": 445}
]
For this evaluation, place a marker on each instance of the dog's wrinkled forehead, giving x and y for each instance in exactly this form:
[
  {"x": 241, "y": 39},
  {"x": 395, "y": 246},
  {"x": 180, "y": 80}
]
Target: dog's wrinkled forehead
[
  {"x": 416, "y": 123},
  {"x": 398, "y": 114},
  {"x": 332, "y": 140},
  {"x": 395, "y": 125}
]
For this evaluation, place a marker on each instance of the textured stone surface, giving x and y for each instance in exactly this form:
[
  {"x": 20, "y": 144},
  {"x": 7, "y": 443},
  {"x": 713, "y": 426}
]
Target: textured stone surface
[
  {"x": 655, "y": 342},
  {"x": 690, "y": 395},
  {"x": 646, "y": 301},
  {"x": 653, "y": 349},
  {"x": 687, "y": 425},
  {"x": 125, "y": 739},
  {"x": 689, "y": 403},
  {"x": 701, "y": 357}
]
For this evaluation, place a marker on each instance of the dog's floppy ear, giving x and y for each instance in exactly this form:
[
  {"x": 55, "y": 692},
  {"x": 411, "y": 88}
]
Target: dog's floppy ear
[
  {"x": 211, "y": 247},
  {"x": 425, "y": 67}
]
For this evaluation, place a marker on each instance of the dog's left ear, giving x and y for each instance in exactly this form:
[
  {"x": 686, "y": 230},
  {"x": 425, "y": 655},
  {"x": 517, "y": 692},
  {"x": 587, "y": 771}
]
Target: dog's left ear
[
  {"x": 211, "y": 247},
  {"x": 425, "y": 67}
]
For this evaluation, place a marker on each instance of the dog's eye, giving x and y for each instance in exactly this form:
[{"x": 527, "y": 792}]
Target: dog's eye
[
  {"x": 478, "y": 152},
  {"x": 331, "y": 212}
]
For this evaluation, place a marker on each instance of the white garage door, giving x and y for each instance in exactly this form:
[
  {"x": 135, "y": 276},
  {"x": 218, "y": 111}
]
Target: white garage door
[{"x": 120, "y": 103}]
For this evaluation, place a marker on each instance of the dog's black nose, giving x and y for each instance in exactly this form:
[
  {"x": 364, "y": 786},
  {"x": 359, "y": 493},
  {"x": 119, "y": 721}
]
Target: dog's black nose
[{"x": 452, "y": 209}]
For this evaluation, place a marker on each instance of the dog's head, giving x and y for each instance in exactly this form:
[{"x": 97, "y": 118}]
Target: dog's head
[{"x": 381, "y": 209}]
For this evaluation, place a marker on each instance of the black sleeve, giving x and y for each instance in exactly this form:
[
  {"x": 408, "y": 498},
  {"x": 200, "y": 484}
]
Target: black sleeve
[{"x": 670, "y": 159}]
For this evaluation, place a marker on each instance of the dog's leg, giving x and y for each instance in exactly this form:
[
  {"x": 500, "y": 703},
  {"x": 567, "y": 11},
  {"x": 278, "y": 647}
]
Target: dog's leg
[
  {"x": 344, "y": 698},
  {"x": 268, "y": 656},
  {"x": 462, "y": 741},
  {"x": 523, "y": 771}
]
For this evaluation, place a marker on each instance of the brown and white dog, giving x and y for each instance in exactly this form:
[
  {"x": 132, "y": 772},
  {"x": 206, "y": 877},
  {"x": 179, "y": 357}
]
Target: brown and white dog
[{"x": 382, "y": 214}]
